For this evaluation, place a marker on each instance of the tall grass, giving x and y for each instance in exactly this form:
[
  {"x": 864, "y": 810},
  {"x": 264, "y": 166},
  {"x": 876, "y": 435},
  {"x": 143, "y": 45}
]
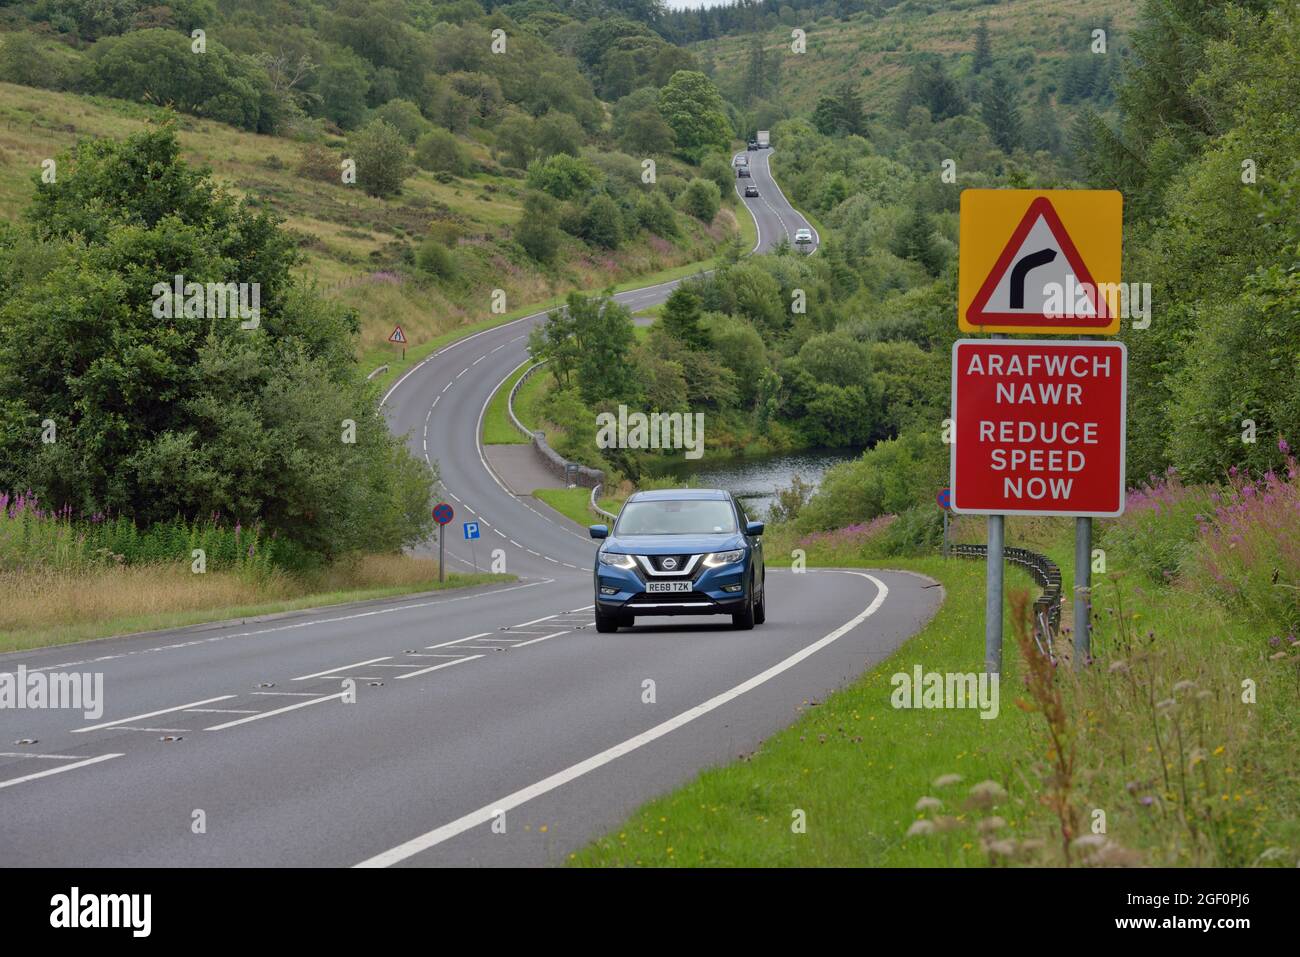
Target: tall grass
[{"x": 35, "y": 537}]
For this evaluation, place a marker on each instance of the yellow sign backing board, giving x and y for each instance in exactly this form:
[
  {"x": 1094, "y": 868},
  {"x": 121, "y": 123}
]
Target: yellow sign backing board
[{"x": 1040, "y": 261}]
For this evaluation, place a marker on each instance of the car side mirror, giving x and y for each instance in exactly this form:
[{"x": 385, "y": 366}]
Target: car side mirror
[
  {"x": 755, "y": 528},
  {"x": 599, "y": 531}
]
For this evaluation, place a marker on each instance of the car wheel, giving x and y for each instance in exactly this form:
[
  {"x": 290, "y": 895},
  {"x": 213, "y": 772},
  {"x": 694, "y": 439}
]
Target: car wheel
[
  {"x": 760, "y": 610},
  {"x": 744, "y": 620},
  {"x": 606, "y": 623}
]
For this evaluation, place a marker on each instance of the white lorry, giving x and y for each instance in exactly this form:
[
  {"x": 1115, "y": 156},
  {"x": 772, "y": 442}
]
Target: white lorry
[{"x": 764, "y": 139}]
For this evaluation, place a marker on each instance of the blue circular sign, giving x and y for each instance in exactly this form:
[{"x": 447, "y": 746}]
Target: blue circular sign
[
  {"x": 442, "y": 513},
  {"x": 944, "y": 498}
]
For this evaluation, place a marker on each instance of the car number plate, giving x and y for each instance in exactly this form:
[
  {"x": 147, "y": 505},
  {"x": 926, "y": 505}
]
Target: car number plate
[{"x": 668, "y": 586}]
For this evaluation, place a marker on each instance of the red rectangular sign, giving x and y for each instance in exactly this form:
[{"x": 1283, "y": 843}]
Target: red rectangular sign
[{"x": 1038, "y": 427}]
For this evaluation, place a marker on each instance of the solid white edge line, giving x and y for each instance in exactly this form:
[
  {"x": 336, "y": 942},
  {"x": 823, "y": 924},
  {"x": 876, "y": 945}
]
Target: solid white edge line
[
  {"x": 484, "y": 814},
  {"x": 151, "y": 714},
  {"x": 268, "y": 714},
  {"x": 59, "y": 770}
]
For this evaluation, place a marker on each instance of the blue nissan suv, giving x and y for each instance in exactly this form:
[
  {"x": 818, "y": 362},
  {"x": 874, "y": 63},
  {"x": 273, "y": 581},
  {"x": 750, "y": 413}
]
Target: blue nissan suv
[{"x": 680, "y": 552}]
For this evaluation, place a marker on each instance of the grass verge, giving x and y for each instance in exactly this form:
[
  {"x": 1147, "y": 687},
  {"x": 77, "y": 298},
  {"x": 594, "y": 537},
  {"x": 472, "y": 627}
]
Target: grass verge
[
  {"x": 1155, "y": 743},
  {"x": 497, "y": 427},
  {"x": 572, "y": 503},
  {"x": 51, "y": 607}
]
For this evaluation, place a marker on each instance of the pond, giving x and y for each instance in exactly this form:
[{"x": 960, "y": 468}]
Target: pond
[{"x": 755, "y": 479}]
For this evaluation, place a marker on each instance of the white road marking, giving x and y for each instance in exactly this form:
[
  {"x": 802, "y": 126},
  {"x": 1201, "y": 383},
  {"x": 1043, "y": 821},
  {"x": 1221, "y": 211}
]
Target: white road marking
[
  {"x": 271, "y": 714},
  {"x": 123, "y": 727},
  {"x": 219, "y": 711},
  {"x": 445, "y": 664},
  {"x": 482, "y": 634},
  {"x": 543, "y": 638},
  {"x": 59, "y": 770},
  {"x": 485, "y": 814},
  {"x": 525, "y": 624},
  {"x": 355, "y": 664},
  {"x": 44, "y": 757},
  {"x": 289, "y": 694},
  {"x": 305, "y": 624},
  {"x": 152, "y": 714}
]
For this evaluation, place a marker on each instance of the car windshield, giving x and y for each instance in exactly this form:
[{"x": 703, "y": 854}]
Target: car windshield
[{"x": 676, "y": 517}]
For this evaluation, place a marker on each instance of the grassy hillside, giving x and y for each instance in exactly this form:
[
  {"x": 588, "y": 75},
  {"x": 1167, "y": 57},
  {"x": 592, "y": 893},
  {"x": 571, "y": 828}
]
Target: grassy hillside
[
  {"x": 876, "y": 52},
  {"x": 355, "y": 245}
]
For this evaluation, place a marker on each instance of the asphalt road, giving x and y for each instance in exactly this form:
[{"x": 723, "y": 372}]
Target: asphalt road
[{"x": 489, "y": 726}]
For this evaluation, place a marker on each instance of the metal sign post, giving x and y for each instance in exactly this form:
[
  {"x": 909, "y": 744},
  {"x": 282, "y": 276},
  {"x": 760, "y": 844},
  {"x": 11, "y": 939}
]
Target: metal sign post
[
  {"x": 471, "y": 536},
  {"x": 993, "y": 597},
  {"x": 442, "y": 514},
  {"x": 944, "y": 498},
  {"x": 1082, "y": 591}
]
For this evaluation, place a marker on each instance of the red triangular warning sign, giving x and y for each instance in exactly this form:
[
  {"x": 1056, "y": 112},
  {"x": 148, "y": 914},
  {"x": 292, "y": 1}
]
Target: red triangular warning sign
[
  {"x": 398, "y": 336},
  {"x": 1039, "y": 279}
]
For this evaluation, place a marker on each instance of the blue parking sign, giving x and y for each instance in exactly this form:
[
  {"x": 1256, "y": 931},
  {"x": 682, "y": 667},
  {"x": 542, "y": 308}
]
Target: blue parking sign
[{"x": 471, "y": 530}]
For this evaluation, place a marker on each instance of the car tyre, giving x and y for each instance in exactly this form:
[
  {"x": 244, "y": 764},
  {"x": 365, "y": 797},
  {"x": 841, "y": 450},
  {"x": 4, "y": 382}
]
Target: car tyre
[
  {"x": 744, "y": 620},
  {"x": 607, "y": 623},
  {"x": 760, "y": 610}
]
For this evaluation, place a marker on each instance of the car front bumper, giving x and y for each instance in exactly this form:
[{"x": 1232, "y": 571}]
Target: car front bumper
[{"x": 714, "y": 591}]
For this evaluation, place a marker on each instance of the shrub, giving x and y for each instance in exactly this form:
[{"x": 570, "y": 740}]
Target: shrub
[
  {"x": 382, "y": 159},
  {"x": 441, "y": 152},
  {"x": 602, "y": 223},
  {"x": 655, "y": 213},
  {"x": 702, "y": 199},
  {"x": 435, "y": 259},
  {"x": 320, "y": 163},
  {"x": 405, "y": 116},
  {"x": 562, "y": 176}
]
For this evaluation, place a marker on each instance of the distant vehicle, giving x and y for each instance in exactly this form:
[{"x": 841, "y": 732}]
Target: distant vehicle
[
  {"x": 742, "y": 171},
  {"x": 764, "y": 139},
  {"x": 803, "y": 236},
  {"x": 752, "y": 144},
  {"x": 751, "y": 190},
  {"x": 680, "y": 552},
  {"x": 742, "y": 160}
]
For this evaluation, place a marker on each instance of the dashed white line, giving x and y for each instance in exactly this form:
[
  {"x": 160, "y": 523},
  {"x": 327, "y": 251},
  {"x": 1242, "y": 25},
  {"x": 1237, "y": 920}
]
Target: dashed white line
[
  {"x": 445, "y": 664},
  {"x": 59, "y": 770},
  {"x": 151, "y": 714},
  {"x": 43, "y": 757},
  {"x": 482, "y": 634},
  {"x": 270, "y": 714},
  {"x": 543, "y": 638},
  {"x": 355, "y": 664}
]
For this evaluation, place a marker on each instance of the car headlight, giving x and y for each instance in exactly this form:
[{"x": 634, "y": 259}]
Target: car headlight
[
  {"x": 724, "y": 558},
  {"x": 617, "y": 560}
]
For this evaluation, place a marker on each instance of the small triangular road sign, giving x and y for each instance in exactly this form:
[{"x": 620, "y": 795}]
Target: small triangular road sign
[
  {"x": 1039, "y": 276},
  {"x": 398, "y": 336}
]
